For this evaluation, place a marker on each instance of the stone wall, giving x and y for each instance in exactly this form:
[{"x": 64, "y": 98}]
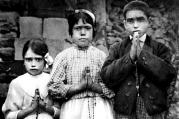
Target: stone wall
[{"x": 8, "y": 34}]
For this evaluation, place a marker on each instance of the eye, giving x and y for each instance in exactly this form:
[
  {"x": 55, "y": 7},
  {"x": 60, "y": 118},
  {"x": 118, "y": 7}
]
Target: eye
[
  {"x": 28, "y": 59},
  {"x": 38, "y": 59},
  {"x": 130, "y": 20},
  {"x": 140, "y": 19},
  {"x": 77, "y": 28},
  {"x": 88, "y": 27}
]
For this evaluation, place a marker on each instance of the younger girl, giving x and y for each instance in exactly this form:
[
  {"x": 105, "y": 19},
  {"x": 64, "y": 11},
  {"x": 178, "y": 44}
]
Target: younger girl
[
  {"x": 75, "y": 73},
  {"x": 27, "y": 95}
]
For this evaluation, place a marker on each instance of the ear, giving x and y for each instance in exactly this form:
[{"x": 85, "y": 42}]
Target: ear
[
  {"x": 124, "y": 22},
  {"x": 150, "y": 20}
]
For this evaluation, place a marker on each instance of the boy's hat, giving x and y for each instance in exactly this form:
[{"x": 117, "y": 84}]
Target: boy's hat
[
  {"x": 87, "y": 12},
  {"x": 136, "y": 4}
]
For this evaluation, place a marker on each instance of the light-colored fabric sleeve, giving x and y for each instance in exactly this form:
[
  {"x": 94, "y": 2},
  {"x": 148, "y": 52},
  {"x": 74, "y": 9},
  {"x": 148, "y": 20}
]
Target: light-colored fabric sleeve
[
  {"x": 12, "y": 115},
  {"x": 57, "y": 87},
  {"x": 54, "y": 104},
  {"x": 56, "y": 112},
  {"x": 13, "y": 102}
]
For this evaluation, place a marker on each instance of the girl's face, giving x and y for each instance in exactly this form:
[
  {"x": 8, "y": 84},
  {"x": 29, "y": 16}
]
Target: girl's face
[
  {"x": 34, "y": 63},
  {"x": 82, "y": 34}
]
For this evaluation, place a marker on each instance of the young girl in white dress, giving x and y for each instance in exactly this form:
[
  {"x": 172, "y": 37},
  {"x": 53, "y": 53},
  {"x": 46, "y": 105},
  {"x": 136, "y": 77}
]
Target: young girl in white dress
[
  {"x": 27, "y": 95},
  {"x": 75, "y": 73}
]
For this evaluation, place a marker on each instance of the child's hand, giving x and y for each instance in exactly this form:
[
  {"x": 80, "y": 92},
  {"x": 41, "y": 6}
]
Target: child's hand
[
  {"x": 133, "y": 51},
  {"x": 89, "y": 83},
  {"x": 35, "y": 100},
  {"x": 83, "y": 84},
  {"x": 42, "y": 104},
  {"x": 135, "y": 48},
  {"x": 86, "y": 78},
  {"x": 96, "y": 87},
  {"x": 34, "y": 104}
]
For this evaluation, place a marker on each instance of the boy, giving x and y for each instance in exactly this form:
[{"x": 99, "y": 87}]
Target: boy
[{"x": 138, "y": 70}]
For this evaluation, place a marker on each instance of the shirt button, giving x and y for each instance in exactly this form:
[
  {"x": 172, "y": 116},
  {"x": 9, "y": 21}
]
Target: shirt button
[
  {"x": 127, "y": 94},
  {"x": 147, "y": 85},
  {"x": 151, "y": 97},
  {"x": 126, "y": 61},
  {"x": 154, "y": 107},
  {"x": 129, "y": 83}
]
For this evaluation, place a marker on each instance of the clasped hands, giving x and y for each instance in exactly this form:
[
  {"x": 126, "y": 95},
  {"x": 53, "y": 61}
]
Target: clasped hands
[
  {"x": 38, "y": 103},
  {"x": 135, "y": 47},
  {"x": 87, "y": 82}
]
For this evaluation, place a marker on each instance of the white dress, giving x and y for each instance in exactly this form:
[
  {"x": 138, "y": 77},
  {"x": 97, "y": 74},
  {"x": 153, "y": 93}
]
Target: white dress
[
  {"x": 21, "y": 92},
  {"x": 67, "y": 70}
]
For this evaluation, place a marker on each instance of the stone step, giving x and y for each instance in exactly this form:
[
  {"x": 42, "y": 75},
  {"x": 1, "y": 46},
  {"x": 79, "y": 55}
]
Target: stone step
[
  {"x": 55, "y": 46},
  {"x": 55, "y": 28},
  {"x": 30, "y": 27},
  {"x": 19, "y": 44}
]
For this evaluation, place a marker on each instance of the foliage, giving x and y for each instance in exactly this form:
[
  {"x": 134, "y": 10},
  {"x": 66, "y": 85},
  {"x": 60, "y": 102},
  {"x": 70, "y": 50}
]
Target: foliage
[{"x": 163, "y": 27}]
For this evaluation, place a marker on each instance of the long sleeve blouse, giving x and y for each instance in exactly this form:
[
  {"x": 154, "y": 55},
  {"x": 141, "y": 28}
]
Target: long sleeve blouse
[
  {"x": 21, "y": 92},
  {"x": 68, "y": 67}
]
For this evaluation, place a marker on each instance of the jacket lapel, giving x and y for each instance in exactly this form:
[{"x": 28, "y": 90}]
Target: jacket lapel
[
  {"x": 148, "y": 45},
  {"x": 127, "y": 45}
]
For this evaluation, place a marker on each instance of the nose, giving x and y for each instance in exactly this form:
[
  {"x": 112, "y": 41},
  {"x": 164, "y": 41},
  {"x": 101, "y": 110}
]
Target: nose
[
  {"x": 33, "y": 63},
  {"x": 83, "y": 31},
  {"x": 136, "y": 24}
]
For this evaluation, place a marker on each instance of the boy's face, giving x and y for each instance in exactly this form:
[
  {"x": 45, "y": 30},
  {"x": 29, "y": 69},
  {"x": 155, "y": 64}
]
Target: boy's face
[
  {"x": 82, "y": 34},
  {"x": 34, "y": 63},
  {"x": 136, "y": 21}
]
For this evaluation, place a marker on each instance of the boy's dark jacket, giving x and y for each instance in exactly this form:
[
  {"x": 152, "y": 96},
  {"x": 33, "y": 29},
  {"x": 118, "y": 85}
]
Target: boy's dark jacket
[{"x": 154, "y": 70}]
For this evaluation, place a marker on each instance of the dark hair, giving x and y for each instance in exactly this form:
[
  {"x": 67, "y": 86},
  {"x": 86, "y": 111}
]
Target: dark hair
[
  {"x": 136, "y": 5},
  {"x": 75, "y": 17},
  {"x": 37, "y": 45}
]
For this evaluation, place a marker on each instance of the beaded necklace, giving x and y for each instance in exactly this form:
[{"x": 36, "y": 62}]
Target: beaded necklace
[{"x": 91, "y": 100}]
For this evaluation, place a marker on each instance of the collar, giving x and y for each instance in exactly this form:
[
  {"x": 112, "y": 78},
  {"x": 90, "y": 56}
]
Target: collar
[
  {"x": 142, "y": 38},
  {"x": 82, "y": 48}
]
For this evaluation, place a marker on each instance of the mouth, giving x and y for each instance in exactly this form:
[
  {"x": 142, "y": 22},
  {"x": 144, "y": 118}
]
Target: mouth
[
  {"x": 83, "y": 39},
  {"x": 138, "y": 31},
  {"x": 33, "y": 69}
]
